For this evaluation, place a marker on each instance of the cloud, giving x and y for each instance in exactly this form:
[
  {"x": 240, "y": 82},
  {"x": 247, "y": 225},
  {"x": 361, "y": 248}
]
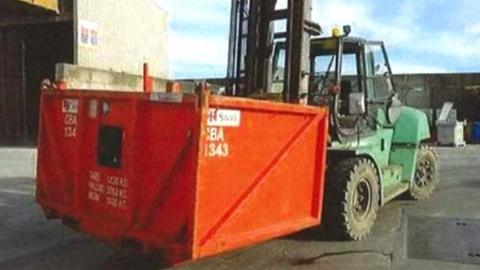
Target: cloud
[
  {"x": 198, "y": 49},
  {"x": 194, "y": 12},
  {"x": 336, "y": 13},
  {"x": 407, "y": 68},
  {"x": 198, "y": 40},
  {"x": 364, "y": 21},
  {"x": 429, "y": 35},
  {"x": 456, "y": 45},
  {"x": 402, "y": 26},
  {"x": 473, "y": 29}
]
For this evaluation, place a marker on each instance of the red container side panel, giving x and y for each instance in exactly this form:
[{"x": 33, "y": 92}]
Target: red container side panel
[
  {"x": 167, "y": 153},
  {"x": 191, "y": 176},
  {"x": 261, "y": 173},
  {"x": 146, "y": 196}
]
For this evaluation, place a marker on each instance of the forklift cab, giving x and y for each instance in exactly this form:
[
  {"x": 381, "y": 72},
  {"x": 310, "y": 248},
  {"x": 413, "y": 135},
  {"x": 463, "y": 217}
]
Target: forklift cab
[
  {"x": 354, "y": 65},
  {"x": 353, "y": 77}
]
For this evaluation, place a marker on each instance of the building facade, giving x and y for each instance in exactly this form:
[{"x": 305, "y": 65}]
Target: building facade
[{"x": 36, "y": 35}]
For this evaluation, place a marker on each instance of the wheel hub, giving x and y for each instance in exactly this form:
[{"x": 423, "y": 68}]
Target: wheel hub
[
  {"x": 424, "y": 173},
  {"x": 362, "y": 200}
]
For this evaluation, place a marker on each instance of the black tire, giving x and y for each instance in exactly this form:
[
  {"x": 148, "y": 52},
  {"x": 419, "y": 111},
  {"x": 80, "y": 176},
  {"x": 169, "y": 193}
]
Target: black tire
[
  {"x": 426, "y": 174},
  {"x": 351, "y": 198}
]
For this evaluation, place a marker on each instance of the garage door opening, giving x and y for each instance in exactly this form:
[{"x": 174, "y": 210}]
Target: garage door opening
[{"x": 28, "y": 54}]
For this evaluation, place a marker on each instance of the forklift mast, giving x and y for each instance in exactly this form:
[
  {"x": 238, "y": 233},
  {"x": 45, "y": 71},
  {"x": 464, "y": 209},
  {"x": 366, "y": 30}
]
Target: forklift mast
[{"x": 252, "y": 44}]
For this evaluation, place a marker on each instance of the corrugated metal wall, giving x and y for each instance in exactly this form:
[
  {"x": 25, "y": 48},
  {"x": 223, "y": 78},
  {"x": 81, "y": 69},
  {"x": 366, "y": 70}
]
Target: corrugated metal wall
[
  {"x": 28, "y": 54},
  {"x": 431, "y": 91}
]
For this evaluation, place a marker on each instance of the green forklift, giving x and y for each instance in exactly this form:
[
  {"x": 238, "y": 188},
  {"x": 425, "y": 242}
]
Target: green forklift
[
  {"x": 376, "y": 146},
  {"x": 376, "y": 151}
]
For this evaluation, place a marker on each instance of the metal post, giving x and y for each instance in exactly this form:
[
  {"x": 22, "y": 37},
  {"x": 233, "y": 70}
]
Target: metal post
[
  {"x": 232, "y": 47},
  {"x": 251, "y": 47},
  {"x": 298, "y": 51},
  {"x": 147, "y": 80},
  {"x": 237, "y": 47},
  {"x": 24, "y": 127}
]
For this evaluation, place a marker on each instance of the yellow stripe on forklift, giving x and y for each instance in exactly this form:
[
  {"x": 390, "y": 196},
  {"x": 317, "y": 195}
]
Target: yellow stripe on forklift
[{"x": 46, "y": 4}]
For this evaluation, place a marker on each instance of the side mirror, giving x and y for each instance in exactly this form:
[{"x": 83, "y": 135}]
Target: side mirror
[
  {"x": 347, "y": 29},
  {"x": 356, "y": 104},
  {"x": 394, "y": 109}
]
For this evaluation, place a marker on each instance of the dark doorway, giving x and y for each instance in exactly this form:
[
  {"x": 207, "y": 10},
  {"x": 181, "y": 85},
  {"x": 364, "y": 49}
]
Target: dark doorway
[{"x": 28, "y": 54}]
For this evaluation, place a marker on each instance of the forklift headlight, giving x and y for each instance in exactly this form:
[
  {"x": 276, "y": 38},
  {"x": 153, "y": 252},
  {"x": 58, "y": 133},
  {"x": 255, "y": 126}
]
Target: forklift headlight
[{"x": 336, "y": 32}]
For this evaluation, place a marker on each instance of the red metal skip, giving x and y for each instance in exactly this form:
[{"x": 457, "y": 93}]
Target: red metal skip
[{"x": 188, "y": 175}]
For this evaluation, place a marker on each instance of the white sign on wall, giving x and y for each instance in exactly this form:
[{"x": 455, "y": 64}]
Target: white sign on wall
[{"x": 87, "y": 33}]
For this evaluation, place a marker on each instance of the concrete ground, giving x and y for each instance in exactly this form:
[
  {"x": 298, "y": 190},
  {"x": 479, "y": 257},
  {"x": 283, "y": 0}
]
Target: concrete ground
[{"x": 28, "y": 241}]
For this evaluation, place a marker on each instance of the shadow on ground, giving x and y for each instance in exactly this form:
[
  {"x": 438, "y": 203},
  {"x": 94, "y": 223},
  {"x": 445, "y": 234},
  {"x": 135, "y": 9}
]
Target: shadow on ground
[{"x": 122, "y": 261}]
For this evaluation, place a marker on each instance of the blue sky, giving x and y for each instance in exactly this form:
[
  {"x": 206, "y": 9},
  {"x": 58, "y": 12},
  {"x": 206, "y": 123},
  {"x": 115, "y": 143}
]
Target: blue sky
[{"x": 422, "y": 36}]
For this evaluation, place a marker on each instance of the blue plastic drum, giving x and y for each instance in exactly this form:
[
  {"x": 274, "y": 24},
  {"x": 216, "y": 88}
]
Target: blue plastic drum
[{"x": 476, "y": 133}]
